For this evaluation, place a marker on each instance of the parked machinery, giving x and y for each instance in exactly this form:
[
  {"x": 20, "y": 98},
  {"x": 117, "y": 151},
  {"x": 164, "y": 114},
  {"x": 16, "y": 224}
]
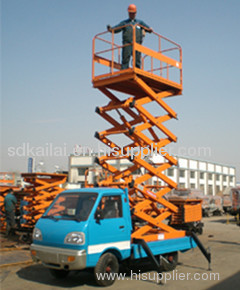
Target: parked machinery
[
  {"x": 231, "y": 200},
  {"x": 32, "y": 201},
  {"x": 235, "y": 197},
  {"x": 212, "y": 205},
  {"x": 38, "y": 195}
]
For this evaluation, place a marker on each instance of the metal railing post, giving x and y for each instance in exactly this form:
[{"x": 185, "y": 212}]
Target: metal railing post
[
  {"x": 133, "y": 47},
  {"x": 159, "y": 49},
  {"x": 180, "y": 51},
  {"x": 112, "y": 66},
  {"x": 93, "y": 61}
]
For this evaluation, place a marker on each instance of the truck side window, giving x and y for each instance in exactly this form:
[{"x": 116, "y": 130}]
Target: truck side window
[{"x": 110, "y": 207}]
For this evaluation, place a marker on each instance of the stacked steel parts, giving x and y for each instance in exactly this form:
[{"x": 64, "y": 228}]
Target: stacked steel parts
[{"x": 38, "y": 195}]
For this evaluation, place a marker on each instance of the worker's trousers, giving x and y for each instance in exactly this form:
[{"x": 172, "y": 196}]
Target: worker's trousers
[
  {"x": 10, "y": 219},
  {"x": 126, "y": 54}
]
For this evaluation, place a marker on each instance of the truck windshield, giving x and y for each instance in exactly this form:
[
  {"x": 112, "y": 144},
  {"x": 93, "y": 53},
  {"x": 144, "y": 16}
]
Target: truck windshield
[{"x": 73, "y": 206}]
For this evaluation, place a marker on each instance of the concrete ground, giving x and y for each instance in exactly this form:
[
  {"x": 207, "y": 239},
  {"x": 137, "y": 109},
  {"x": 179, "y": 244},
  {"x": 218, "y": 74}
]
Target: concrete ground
[{"x": 191, "y": 272}]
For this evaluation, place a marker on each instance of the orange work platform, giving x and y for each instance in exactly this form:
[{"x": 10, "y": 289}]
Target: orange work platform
[
  {"x": 161, "y": 67},
  {"x": 131, "y": 93},
  {"x": 125, "y": 81}
]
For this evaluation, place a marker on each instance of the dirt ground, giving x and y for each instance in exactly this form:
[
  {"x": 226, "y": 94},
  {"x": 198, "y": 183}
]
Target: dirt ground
[{"x": 191, "y": 272}]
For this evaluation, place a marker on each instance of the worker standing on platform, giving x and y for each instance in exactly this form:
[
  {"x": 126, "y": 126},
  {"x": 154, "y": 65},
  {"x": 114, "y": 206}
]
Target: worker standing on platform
[
  {"x": 9, "y": 204},
  {"x": 127, "y": 35}
]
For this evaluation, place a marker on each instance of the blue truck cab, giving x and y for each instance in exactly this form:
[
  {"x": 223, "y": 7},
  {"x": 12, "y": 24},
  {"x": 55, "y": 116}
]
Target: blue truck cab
[{"x": 91, "y": 228}]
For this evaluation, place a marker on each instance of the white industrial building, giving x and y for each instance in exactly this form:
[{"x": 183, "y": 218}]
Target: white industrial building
[{"x": 207, "y": 176}]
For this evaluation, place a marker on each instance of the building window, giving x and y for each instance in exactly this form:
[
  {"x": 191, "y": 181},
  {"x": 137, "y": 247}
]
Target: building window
[
  {"x": 182, "y": 173},
  {"x": 210, "y": 189},
  {"x": 202, "y": 187},
  {"x": 192, "y": 174},
  {"x": 81, "y": 170},
  {"x": 181, "y": 185},
  {"x": 201, "y": 175},
  {"x": 231, "y": 178},
  {"x": 192, "y": 185},
  {"x": 210, "y": 176},
  {"x": 217, "y": 177},
  {"x": 224, "y": 177},
  {"x": 82, "y": 184},
  {"x": 170, "y": 172},
  {"x": 217, "y": 189}
]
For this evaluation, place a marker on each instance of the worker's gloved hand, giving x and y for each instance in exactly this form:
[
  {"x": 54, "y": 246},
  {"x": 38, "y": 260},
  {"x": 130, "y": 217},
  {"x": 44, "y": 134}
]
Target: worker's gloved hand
[
  {"x": 109, "y": 28},
  {"x": 150, "y": 30}
]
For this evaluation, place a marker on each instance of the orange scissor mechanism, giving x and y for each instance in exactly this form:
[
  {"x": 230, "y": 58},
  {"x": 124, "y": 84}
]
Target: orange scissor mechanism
[
  {"x": 41, "y": 190},
  {"x": 132, "y": 93}
]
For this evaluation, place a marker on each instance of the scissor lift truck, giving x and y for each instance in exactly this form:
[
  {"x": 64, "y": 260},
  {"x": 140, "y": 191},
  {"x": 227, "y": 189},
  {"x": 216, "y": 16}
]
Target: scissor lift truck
[{"x": 125, "y": 218}]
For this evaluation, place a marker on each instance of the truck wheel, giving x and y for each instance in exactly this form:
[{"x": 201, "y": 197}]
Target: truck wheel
[
  {"x": 59, "y": 274},
  {"x": 106, "y": 269}
]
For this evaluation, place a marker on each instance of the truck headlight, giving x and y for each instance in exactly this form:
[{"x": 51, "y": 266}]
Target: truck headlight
[
  {"x": 75, "y": 238},
  {"x": 37, "y": 234}
]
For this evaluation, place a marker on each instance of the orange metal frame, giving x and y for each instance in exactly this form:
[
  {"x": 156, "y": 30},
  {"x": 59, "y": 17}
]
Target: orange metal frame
[
  {"x": 157, "y": 55},
  {"x": 143, "y": 87},
  {"x": 43, "y": 188},
  {"x": 190, "y": 210}
]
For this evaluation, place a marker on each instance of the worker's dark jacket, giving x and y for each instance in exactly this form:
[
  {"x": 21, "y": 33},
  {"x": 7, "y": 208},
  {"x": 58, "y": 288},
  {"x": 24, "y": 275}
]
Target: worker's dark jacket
[
  {"x": 10, "y": 202},
  {"x": 128, "y": 30}
]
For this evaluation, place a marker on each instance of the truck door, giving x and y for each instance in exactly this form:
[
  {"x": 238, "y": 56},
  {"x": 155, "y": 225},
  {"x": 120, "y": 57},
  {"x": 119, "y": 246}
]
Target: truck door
[{"x": 109, "y": 228}]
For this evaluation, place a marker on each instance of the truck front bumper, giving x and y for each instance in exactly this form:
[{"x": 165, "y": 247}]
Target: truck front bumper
[{"x": 59, "y": 258}]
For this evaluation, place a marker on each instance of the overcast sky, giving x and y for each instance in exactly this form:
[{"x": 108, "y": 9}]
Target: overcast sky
[{"x": 47, "y": 95}]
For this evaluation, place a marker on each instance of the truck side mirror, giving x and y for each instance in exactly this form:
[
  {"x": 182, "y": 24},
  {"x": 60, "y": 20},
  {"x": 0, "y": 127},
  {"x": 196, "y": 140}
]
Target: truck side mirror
[{"x": 98, "y": 214}]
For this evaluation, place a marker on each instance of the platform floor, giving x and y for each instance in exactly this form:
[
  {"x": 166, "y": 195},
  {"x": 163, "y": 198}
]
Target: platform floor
[{"x": 123, "y": 81}]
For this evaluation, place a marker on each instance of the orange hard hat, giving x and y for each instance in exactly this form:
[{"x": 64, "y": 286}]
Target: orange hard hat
[{"x": 132, "y": 8}]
